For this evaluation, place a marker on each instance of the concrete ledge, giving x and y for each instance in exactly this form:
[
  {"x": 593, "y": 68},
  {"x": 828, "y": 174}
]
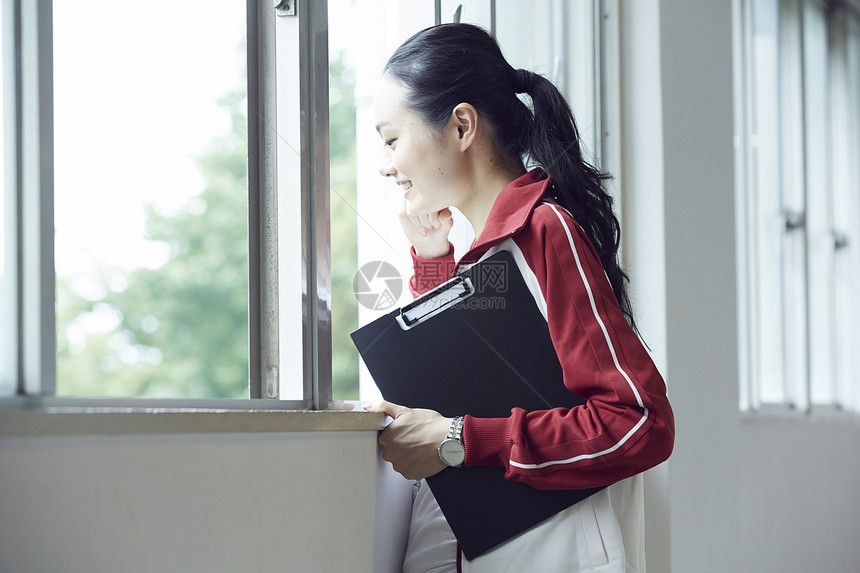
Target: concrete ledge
[{"x": 124, "y": 421}]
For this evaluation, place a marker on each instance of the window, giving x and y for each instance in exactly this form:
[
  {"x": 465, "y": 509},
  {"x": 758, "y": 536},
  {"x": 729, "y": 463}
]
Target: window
[
  {"x": 139, "y": 148},
  {"x": 797, "y": 65},
  {"x": 150, "y": 199},
  {"x": 213, "y": 193}
]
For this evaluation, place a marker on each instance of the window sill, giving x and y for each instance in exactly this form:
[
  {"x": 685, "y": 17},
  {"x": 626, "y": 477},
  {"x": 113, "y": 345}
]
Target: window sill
[
  {"x": 817, "y": 414},
  {"x": 66, "y": 418}
]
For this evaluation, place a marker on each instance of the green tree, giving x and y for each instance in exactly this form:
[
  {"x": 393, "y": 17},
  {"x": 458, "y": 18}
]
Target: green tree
[
  {"x": 181, "y": 329},
  {"x": 344, "y": 252}
]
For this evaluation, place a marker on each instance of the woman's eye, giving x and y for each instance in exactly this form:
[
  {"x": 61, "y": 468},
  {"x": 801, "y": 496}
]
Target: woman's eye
[{"x": 388, "y": 142}]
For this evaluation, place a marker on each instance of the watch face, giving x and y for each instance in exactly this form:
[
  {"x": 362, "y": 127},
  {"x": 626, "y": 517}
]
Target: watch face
[{"x": 452, "y": 452}]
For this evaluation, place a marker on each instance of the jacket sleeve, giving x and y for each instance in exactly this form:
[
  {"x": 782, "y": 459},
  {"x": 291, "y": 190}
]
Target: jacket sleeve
[
  {"x": 626, "y": 425},
  {"x": 430, "y": 273}
]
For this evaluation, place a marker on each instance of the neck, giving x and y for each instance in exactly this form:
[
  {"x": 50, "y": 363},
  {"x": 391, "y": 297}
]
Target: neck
[{"x": 489, "y": 178}]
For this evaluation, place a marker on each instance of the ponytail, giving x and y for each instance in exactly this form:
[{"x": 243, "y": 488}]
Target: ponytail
[
  {"x": 552, "y": 142},
  {"x": 446, "y": 65}
]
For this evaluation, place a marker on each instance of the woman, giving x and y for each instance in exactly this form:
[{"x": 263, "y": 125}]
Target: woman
[{"x": 457, "y": 135}]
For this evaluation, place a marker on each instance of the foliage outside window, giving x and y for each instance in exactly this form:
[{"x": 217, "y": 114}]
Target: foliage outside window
[{"x": 163, "y": 313}]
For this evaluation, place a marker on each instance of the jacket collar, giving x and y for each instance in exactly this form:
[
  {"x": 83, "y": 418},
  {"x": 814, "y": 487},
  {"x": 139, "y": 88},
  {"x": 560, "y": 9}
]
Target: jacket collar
[{"x": 510, "y": 212}]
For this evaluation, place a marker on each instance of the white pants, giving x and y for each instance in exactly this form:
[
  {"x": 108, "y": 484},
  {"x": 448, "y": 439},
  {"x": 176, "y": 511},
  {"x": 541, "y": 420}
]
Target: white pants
[
  {"x": 604, "y": 533},
  {"x": 431, "y": 547}
]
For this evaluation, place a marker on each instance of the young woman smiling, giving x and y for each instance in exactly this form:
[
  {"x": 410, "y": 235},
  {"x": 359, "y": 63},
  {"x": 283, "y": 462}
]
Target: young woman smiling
[{"x": 456, "y": 134}]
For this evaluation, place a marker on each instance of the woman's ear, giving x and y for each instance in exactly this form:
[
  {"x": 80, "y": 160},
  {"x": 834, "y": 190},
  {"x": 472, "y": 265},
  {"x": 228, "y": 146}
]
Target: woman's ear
[{"x": 467, "y": 122}]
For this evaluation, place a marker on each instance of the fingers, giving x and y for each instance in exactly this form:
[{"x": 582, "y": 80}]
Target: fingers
[
  {"x": 393, "y": 410},
  {"x": 389, "y": 408},
  {"x": 430, "y": 220},
  {"x": 430, "y": 242},
  {"x": 411, "y": 442},
  {"x": 425, "y": 223},
  {"x": 446, "y": 220},
  {"x": 411, "y": 223}
]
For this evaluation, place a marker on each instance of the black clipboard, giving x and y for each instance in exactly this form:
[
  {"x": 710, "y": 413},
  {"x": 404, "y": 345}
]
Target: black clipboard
[{"x": 478, "y": 345}]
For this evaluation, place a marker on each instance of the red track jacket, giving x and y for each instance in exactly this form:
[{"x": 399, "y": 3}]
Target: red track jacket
[{"x": 626, "y": 425}]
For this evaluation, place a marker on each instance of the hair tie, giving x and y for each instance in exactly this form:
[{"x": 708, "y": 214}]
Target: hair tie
[{"x": 523, "y": 80}]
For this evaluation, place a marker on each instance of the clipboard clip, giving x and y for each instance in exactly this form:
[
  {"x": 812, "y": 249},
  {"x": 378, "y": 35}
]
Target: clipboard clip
[{"x": 422, "y": 309}]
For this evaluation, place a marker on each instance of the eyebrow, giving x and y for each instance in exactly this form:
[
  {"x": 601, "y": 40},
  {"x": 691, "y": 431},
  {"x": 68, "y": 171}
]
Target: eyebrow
[{"x": 380, "y": 125}]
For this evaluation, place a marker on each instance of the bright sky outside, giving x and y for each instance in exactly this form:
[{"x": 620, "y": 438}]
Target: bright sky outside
[
  {"x": 135, "y": 104},
  {"x": 135, "y": 99}
]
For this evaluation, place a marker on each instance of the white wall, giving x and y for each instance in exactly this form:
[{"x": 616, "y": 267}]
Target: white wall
[
  {"x": 296, "y": 502},
  {"x": 643, "y": 238},
  {"x": 744, "y": 494}
]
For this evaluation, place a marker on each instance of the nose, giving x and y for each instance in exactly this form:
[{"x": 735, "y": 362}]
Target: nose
[{"x": 387, "y": 167}]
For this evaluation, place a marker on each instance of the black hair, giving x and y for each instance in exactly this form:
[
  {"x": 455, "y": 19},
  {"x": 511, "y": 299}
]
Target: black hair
[{"x": 443, "y": 66}]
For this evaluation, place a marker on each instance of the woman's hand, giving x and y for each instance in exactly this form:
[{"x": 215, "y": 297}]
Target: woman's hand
[
  {"x": 411, "y": 441},
  {"x": 428, "y": 233}
]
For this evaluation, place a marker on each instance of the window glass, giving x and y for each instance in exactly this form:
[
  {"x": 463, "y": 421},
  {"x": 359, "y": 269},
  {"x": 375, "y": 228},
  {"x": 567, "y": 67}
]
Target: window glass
[
  {"x": 819, "y": 204},
  {"x": 344, "y": 216},
  {"x": 774, "y": 205},
  {"x": 792, "y": 189},
  {"x": 850, "y": 390},
  {"x": 798, "y": 206},
  {"x": 151, "y": 198},
  {"x": 845, "y": 123},
  {"x": 365, "y": 233},
  {"x": 769, "y": 222},
  {"x": 557, "y": 40},
  {"x": 7, "y": 378}
]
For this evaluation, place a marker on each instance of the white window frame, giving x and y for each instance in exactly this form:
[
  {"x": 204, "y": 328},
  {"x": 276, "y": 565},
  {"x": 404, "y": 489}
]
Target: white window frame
[{"x": 799, "y": 356}]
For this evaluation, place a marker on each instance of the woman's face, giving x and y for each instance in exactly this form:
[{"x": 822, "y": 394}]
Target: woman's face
[{"x": 425, "y": 163}]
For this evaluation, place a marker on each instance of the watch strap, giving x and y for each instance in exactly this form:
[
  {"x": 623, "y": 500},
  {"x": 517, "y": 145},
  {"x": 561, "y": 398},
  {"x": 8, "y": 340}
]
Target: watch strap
[
  {"x": 455, "y": 432},
  {"x": 454, "y": 436}
]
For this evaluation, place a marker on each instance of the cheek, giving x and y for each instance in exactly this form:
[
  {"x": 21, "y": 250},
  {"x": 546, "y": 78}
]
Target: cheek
[
  {"x": 421, "y": 158},
  {"x": 408, "y": 160}
]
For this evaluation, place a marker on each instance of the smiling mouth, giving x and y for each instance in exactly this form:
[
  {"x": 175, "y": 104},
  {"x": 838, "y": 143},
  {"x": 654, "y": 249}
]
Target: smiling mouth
[{"x": 406, "y": 185}]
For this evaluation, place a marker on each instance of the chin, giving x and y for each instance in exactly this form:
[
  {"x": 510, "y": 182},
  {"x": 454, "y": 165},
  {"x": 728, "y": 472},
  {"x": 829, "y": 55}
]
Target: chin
[{"x": 418, "y": 207}]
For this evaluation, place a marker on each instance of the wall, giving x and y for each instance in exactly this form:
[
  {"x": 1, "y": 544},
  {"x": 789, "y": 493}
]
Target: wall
[
  {"x": 745, "y": 493},
  {"x": 302, "y": 502},
  {"x": 643, "y": 245}
]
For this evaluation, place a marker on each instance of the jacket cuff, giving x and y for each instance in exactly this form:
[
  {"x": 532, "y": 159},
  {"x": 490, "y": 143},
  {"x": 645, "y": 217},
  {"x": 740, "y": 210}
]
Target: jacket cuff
[
  {"x": 430, "y": 273},
  {"x": 488, "y": 441}
]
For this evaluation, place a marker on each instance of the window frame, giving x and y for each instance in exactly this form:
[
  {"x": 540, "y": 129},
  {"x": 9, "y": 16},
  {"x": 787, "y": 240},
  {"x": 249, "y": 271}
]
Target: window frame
[
  {"x": 304, "y": 31},
  {"x": 29, "y": 366},
  {"x": 28, "y": 188},
  {"x": 809, "y": 366}
]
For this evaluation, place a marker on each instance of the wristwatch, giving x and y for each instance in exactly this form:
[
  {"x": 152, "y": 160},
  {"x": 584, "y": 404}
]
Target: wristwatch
[{"x": 451, "y": 450}]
